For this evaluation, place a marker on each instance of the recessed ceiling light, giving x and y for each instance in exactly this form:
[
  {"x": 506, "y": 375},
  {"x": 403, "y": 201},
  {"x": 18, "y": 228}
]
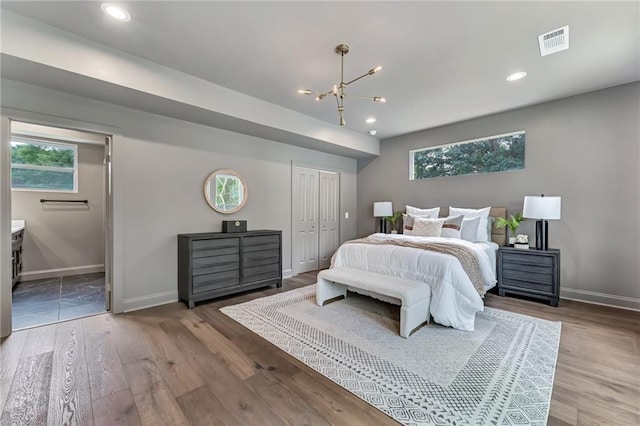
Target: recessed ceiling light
[
  {"x": 373, "y": 132},
  {"x": 517, "y": 76},
  {"x": 370, "y": 120},
  {"x": 116, "y": 12}
]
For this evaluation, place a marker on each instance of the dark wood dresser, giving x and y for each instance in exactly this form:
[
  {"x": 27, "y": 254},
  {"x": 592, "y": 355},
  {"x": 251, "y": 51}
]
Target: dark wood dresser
[
  {"x": 216, "y": 264},
  {"x": 532, "y": 273}
]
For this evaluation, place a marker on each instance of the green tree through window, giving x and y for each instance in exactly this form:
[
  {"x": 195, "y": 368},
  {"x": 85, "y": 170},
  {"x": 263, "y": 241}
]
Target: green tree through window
[
  {"x": 43, "y": 166},
  {"x": 493, "y": 154}
]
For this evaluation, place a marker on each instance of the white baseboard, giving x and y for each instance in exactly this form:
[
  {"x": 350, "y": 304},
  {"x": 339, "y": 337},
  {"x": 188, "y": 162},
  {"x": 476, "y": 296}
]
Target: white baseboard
[
  {"x": 287, "y": 273},
  {"x": 603, "y": 299},
  {"x": 143, "y": 302},
  {"x": 60, "y": 272}
]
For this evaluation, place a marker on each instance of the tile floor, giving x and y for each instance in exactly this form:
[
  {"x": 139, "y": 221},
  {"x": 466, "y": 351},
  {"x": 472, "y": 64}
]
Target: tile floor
[{"x": 57, "y": 299}]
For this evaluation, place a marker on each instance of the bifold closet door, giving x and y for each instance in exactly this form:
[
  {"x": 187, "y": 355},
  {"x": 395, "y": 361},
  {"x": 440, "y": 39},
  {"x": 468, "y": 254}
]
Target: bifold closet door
[
  {"x": 305, "y": 219},
  {"x": 328, "y": 204}
]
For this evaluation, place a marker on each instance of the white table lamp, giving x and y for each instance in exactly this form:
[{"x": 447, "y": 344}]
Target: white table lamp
[
  {"x": 382, "y": 209},
  {"x": 542, "y": 208}
]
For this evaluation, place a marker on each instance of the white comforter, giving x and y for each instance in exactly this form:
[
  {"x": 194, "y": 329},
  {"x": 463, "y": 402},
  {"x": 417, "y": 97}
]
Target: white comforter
[{"x": 454, "y": 300}]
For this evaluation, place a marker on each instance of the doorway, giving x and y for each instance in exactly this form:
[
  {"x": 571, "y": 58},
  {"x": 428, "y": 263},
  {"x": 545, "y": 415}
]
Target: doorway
[
  {"x": 315, "y": 213},
  {"x": 60, "y": 204}
]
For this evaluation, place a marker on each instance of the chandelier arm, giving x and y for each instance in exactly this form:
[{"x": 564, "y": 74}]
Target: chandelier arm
[
  {"x": 358, "y": 78},
  {"x": 370, "y": 98}
]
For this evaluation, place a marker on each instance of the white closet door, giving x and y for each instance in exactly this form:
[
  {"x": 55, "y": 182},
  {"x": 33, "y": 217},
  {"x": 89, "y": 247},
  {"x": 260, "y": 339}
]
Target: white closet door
[
  {"x": 305, "y": 219},
  {"x": 328, "y": 203}
]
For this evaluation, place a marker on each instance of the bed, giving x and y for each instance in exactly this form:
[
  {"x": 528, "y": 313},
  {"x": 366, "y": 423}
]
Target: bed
[{"x": 455, "y": 297}]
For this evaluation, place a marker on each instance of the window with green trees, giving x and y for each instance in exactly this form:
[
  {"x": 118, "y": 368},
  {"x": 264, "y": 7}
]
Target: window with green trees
[
  {"x": 486, "y": 155},
  {"x": 43, "y": 166}
]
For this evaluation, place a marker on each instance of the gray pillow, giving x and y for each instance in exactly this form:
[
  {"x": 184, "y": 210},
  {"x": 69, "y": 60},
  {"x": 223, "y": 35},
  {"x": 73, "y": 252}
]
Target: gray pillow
[
  {"x": 490, "y": 221},
  {"x": 469, "y": 231}
]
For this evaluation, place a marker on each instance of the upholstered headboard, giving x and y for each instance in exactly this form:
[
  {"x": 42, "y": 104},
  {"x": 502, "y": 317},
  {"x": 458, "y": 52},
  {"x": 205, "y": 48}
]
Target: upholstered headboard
[{"x": 498, "y": 235}]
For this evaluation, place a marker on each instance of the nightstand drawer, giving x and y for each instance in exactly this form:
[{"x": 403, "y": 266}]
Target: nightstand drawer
[
  {"x": 527, "y": 258},
  {"x": 528, "y": 267},
  {"x": 543, "y": 277},
  {"x": 546, "y": 289}
]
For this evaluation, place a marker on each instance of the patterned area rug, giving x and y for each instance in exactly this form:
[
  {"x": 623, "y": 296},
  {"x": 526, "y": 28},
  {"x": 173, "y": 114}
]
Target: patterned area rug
[{"x": 500, "y": 374}]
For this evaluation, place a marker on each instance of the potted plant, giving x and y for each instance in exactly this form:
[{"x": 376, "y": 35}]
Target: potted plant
[
  {"x": 512, "y": 222},
  {"x": 393, "y": 220}
]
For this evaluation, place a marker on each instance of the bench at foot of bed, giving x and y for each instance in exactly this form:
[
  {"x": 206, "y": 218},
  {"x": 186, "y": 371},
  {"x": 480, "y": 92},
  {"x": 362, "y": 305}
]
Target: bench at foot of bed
[{"x": 412, "y": 296}]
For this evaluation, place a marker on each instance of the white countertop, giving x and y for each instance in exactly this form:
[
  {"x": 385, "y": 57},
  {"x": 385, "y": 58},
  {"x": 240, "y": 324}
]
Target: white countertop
[{"x": 17, "y": 225}]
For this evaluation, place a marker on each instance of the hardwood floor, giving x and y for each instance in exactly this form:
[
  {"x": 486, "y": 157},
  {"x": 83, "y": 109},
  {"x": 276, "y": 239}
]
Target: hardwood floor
[{"x": 171, "y": 366}]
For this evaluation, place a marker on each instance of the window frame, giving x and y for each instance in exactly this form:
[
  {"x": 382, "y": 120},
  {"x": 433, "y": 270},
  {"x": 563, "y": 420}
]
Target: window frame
[{"x": 33, "y": 140}]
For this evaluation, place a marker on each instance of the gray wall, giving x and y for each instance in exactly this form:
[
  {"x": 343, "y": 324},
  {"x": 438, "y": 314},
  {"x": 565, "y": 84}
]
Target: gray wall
[
  {"x": 584, "y": 148},
  {"x": 64, "y": 235},
  {"x": 159, "y": 167}
]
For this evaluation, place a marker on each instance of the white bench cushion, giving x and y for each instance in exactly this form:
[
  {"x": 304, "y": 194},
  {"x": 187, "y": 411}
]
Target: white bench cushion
[{"x": 414, "y": 296}]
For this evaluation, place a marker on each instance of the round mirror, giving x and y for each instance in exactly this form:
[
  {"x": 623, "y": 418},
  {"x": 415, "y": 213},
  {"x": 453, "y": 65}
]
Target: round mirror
[{"x": 225, "y": 191}]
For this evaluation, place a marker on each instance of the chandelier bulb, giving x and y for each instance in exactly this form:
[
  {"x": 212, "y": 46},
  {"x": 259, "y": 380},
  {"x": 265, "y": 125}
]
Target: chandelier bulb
[
  {"x": 379, "y": 99},
  {"x": 304, "y": 91}
]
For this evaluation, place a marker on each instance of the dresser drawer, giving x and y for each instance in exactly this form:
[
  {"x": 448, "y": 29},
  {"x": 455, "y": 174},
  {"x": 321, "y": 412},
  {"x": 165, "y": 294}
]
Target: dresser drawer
[
  {"x": 526, "y": 258},
  {"x": 528, "y": 286},
  {"x": 216, "y": 279},
  {"x": 264, "y": 272},
  {"x": 201, "y": 262},
  {"x": 263, "y": 257},
  {"x": 216, "y": 244},
  {"x": 260, "y": 243}
]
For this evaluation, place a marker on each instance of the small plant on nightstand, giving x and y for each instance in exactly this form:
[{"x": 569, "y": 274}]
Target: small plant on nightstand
[
  {"x": 393, "y": 220},
  {"x": 513, "y": 222}
]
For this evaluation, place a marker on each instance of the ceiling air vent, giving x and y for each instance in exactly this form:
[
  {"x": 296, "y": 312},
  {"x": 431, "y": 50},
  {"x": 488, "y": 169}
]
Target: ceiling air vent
[{"x": 554, "y": 41}]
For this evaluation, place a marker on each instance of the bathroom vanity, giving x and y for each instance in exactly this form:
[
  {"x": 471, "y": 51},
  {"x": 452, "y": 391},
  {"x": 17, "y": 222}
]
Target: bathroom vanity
[{"x": 17, "y": 234}]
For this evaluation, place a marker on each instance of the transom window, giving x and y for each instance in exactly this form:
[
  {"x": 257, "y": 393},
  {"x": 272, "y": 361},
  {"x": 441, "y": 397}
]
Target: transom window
[{"x": 39, "y": 165}]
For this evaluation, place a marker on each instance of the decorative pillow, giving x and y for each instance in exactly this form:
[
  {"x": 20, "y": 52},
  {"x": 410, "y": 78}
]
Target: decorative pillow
[
  {"x": 407, "y": 224},
  {"x": 483, "y": 214},
  {"x": 452, "y": 226},
  {"x": 469, "y": 229},
  {"x": 432, "y": 213},
  {"x": 427, "y": 227}
]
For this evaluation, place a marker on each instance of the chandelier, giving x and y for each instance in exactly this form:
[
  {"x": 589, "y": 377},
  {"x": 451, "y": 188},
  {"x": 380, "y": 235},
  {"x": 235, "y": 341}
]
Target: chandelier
[{"x": 338, "y": 89}]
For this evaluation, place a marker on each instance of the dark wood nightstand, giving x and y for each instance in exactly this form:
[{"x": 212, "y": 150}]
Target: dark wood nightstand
[{"x": 533, "y": 273}]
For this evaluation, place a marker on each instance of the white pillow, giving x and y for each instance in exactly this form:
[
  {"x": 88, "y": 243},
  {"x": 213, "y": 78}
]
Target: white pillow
[
  {"x": 432, "y": 213},
  {"x": 452, "y": 227},
  {"x": 483, "y": 214},
  {"x": 427, "y": 227},
  {"x": 469, "y": 229}
]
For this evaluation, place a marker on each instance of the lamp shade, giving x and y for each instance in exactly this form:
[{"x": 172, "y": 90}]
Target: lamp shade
[
  {"x": 382, "y": 209},
  {"x": 541, "y": 207}
]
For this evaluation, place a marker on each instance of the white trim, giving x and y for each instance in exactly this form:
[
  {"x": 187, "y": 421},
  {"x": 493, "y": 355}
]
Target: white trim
[
  {"x": 603, "y": 299},
  {"x": 60, "y": 272},
  {"x": 287, "y": 273},
  {"x": 5, "y": 226},
  {"x": 143, "y": 302}
]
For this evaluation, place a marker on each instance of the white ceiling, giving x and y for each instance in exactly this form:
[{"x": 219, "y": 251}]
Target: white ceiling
[{"x": 442, "y": 61}]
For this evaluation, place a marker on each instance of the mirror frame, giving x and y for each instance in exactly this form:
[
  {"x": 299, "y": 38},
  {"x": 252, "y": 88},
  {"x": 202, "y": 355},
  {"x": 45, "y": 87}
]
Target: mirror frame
[{"x": 207, "y": 192}]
